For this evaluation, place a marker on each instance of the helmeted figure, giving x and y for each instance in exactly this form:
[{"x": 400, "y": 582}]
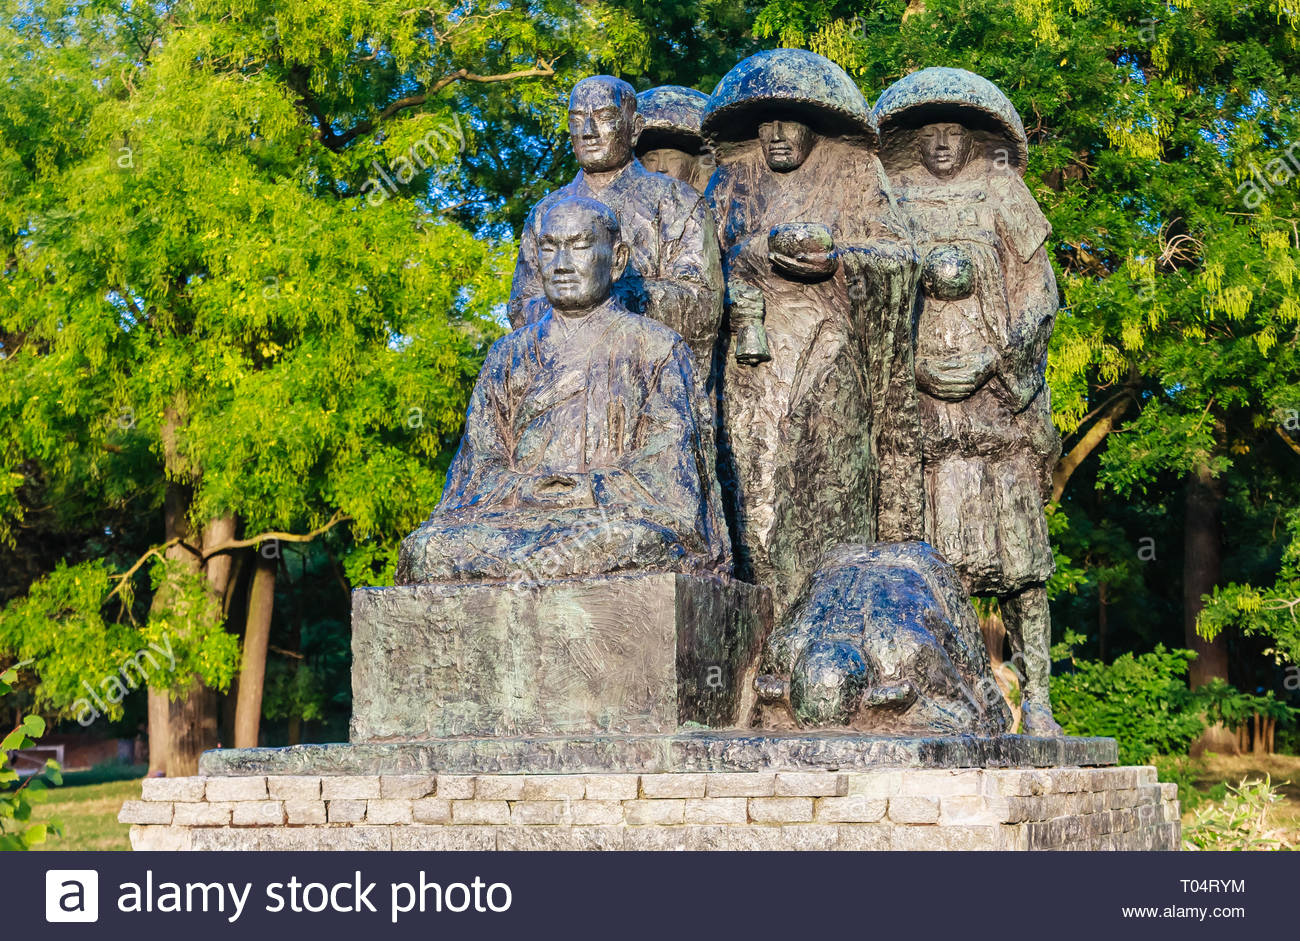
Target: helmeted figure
[
  {"x": 670, "y": 140},
  {"x": 583, "y": 452},
  {"x": 673, "y": 273},
  {"x": 820, "y": 431},
  {"x": 955, "y": 150}
]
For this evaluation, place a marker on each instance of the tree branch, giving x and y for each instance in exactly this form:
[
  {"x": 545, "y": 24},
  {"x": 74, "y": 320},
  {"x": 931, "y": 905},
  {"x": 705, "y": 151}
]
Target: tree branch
[
  {"x": 260, "y": 538},
  {"x": 543, "y": 69},
  {"x": 1094, "y": 436},
  {"x": 228, "y": 546},
  {"x": 1290, "y": 442},
  {"x": 125, "y": 578}
]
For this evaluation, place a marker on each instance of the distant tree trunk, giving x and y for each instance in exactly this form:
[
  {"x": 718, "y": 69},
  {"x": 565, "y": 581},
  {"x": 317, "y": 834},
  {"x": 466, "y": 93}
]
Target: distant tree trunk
[
  {"x": 222, "y": 572},
  {"x": 1202, "y": 558},
  {"x": 1087, "y": 443},
  {"x": 295, "y": 729},
  {"x": 1102, "y": 621},
  {"x": 1007, "y": 677},
  {"x": 252, "y": 670}
]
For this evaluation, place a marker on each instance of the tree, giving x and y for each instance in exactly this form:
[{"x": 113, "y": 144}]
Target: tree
[{"x": 234, "y": 303}]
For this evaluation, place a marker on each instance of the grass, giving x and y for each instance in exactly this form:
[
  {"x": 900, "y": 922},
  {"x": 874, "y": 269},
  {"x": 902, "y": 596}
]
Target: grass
[
  {"x": 1211, "y": 772},
  {"x": 87, "y": 805}
]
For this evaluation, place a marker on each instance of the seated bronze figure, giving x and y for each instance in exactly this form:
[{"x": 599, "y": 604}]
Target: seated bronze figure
[{"x": 583, "y": 451}]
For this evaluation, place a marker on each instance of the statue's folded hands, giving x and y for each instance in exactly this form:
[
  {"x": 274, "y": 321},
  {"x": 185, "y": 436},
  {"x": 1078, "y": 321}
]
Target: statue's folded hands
[{"x": 955, "y": 377}]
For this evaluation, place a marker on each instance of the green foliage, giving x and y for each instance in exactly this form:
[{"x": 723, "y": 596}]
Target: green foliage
[
  {"x": 1232, "y": 708},
  {"x": 1143, "y": 702},
  {"x": 17, "y": 831},
  {"x": 1240, "y": 821},
  {"x": 295, "y": 690},
  {"x": 1268, "y": 611},
  {"x": 63, "y": 624},
  {"x": 1181, "y": 770},
  {"x": 245, "y": 267}
]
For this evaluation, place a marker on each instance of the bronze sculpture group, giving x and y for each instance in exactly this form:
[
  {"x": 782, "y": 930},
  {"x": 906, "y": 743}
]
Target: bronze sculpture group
[{"x": 776, "y": 333}]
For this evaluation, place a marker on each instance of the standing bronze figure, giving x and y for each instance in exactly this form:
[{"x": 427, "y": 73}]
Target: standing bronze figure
[
  {"x": 955, "y": 149},
  {"x": 673, "y": 273},
  {"x": 670, "y": 140},
  {"x": 820, "y": 439}
]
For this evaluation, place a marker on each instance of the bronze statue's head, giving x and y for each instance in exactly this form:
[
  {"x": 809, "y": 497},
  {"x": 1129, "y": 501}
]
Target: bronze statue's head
[
  {"x": 786, "y": 144},
  {"x": 945, "y": 148},
  {"x": 670, "y": 161},
  {"x": 603, "y": 122},
  {"x": 946, "y": 119},
  {"x": 670, "y": 142},
  {"x": 581, "y": 254}
]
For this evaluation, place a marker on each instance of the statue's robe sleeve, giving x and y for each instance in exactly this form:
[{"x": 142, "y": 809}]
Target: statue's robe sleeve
[
  {"x": 686, "y": 286},
  {"x": 881, "y": 264},
  {"x": 683, "y": 287},
  {"x": 1030, "y": 289},
  {"x": 667, "y": 466}
]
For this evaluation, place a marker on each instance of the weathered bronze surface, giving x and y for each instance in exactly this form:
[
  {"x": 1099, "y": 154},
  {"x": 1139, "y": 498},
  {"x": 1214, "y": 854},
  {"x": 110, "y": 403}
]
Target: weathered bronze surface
[
  {"x": 878, "y": 380},
  {"x": 586, "y": 439},
  {"x": 955, "y": 150},
  {"x": 632, "y": 653},
  {"x": 670, "y": 141},
  {"x": 673, "y": 274},
  {"x": 822, "y": 750},
  {"x": 820, "y": 440},
  {"x": 883, "y": 638}
]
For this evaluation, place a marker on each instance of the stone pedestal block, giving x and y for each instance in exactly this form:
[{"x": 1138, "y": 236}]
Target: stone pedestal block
[
  {"x": 641, "y": 654},
  {"x": 908, "y": 809}
]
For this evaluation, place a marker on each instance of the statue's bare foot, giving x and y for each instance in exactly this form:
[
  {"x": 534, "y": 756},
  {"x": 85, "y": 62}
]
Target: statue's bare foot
[{"x": 1037, "y": 720}]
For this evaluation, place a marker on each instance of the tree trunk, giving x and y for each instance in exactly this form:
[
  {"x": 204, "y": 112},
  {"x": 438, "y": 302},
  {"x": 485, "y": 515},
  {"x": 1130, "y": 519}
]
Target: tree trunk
[
  {"x": 1006, "y": 676},
  {"x": 1202, "y": 558},
  {"x": 219, "y": 568},
  {"x": 158, "y": 713},
  {"x": 252, "y": 670},
  {"x": 295, "y": 729},
  {"x": 182, "y": 727},
  {"x": 1102, "y": 621}
]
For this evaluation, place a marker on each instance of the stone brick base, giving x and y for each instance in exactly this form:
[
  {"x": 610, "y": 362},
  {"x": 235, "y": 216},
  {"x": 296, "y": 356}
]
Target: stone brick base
[{"x": 914, "y": 809}]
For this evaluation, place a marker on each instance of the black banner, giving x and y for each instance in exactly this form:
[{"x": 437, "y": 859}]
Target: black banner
[{"x": 651, "y": 895}]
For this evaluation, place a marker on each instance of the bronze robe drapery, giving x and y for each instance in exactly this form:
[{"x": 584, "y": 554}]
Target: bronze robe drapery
[
  {"x": 673, "y": 274},
  {"x": 582, "y": 455},
  {"x": 988, "y": 457},
  {"x": 821, "y": 444}
]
